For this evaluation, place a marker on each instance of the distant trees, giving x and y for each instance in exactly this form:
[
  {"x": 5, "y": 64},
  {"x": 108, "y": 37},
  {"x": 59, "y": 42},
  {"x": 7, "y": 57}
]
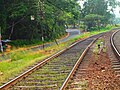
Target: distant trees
[
  {"x": 98, "y": 12},
  {"x": 93, "y": 20},
  {"x": 50, "y": 17}
]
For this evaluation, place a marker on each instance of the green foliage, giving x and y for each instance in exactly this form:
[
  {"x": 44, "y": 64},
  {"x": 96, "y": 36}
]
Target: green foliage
[
  {"x": 98, "y": 12},
  {"x": 93, "y": 17},
  {"x": 19, "y": 43},
  {"x": 50, "y": 18},
  {"x": 93, "y": 21}
]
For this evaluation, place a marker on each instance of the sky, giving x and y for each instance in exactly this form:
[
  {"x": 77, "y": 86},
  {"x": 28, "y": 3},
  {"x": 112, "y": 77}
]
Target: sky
[{"x": 116, "y": 10}]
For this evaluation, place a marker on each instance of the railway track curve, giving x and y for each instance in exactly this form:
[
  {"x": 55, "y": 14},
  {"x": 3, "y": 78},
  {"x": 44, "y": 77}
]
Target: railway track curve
[
  {"x": 115, "y": 44},
  {"x": 52, "y": 73},
  {"x": 77, "y": 79}
]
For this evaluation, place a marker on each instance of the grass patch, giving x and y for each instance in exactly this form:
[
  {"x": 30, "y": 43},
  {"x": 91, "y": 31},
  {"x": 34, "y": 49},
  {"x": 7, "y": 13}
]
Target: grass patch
[
  {"x": 98, "y": 42},
  {"x": 22, "y": 59}
]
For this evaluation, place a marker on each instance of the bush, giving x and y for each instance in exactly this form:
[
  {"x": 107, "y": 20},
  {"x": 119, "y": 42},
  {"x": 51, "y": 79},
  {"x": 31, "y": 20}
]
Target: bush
[{"x": 20, "y": 43}]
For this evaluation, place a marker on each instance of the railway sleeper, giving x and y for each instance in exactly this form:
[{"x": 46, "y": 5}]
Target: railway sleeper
[
  {"x": 81, "y": 85},
  {"x": 63, "y": 65},
  {"x": 35, "y": 87},
  {"x": 42, "y": 77},
  {"x": 45, "y": 79},
  {"x": 117, "y": 63},
  {"x": 118, "y": 76},
  {"x": 40, "y": 72},
  {"x": 44, "y": 82},
  {"x": 49, "y": 66},
  {"x": 47, "y": 75},
  {"x": 53, "y": 72},
  {"x": 75, "y": 88},
  {"x": 80, "y": 74},
  {"x": 53, "y": 69},
  {"x": 116, "y": 69},
  {"x": 116, "y": 66},
  {"x": 78, "y": 77},
  {"x": 80, "y": 69},
  {"x": 37, "y": 83},
  {"x": 117, "y": 72}
]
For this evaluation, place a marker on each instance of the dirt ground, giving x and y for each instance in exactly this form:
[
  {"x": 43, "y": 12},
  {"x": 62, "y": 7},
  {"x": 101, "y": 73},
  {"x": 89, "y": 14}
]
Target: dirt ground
[{"x": 100, "y": 75}]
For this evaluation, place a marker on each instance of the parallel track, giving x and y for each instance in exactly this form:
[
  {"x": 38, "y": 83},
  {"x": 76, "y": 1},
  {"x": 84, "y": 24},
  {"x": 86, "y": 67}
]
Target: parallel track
[
  {"x": 116, "y": 63},
  {"x": 116, "y": 51},
  {"x": 75, "y": 79},
  {"x": 51, "y": 73}
]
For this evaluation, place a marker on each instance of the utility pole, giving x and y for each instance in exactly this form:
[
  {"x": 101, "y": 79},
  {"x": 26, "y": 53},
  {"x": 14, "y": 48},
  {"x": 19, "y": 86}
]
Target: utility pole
[
  {"x": 1, "y": 47},
  {"x": 41, "y": 14}
]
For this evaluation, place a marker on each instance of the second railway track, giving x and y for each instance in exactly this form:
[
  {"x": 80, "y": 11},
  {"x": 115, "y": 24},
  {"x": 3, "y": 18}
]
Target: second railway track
[
  {"x": 116, "y": 48},
  {"x": 52, "y": 75},
  {"x": 79, "y": 79}
]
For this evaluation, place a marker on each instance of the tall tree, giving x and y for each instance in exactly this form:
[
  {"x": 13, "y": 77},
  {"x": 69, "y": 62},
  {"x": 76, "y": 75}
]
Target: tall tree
[
  {"x": 16, "y": 23},
  {"x": 99, "y": 7}
]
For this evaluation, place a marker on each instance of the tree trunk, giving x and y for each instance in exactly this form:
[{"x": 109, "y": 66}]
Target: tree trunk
[{"x": 11, "y": 30}]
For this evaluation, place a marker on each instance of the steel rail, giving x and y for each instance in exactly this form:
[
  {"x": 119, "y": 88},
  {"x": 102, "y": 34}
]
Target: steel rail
[
  {"x": 77, "y": 64},
  {"x": 21, "y": 76},
  {"x": 116, "y": 52}
]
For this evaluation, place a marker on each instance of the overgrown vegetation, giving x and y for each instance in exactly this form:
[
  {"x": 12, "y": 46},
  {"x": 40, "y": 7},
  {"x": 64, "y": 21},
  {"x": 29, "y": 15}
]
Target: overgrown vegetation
[
  {"x": 19, "y": 60},
  {"x": 28, "y": 22},
  {"x": 31, "y": 21},
  {"x": 87, "y": 34},
  {"x": 98, "y": 13}
]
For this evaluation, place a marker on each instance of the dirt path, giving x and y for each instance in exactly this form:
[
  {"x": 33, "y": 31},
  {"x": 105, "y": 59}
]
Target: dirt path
[
  {"x": 103, "y": 76},
  {"x": 98, "y": 73}
]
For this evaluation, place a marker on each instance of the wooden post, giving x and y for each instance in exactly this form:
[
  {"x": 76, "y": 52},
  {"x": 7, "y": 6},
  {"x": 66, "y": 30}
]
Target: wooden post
[{"x": 1, "y": 47}]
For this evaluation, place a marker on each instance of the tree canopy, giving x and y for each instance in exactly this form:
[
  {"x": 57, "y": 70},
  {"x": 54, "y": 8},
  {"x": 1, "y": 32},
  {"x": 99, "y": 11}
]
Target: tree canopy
[
  {"x": 93, "y": 9},
  {"x": 37, "y": 19},
  {"x": 49, "y": 18}
]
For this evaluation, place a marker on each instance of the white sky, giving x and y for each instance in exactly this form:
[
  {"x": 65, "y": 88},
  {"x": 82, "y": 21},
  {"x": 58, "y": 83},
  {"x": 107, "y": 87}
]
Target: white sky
[{"x": 117, "y": 11}]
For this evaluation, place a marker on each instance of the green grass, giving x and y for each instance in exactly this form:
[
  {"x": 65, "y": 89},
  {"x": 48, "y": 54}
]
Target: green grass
[
  {"x": 87, "y": 34},
  {"x": 22, "y": 59},
  {"x": 9, "y": 69},
  {"x": 27, "y": 43}
]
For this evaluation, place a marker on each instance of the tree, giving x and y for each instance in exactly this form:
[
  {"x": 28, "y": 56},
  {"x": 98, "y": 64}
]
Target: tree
[
  {"x": 49, "y": 18},
  {"x": 93, "y": 20},
  {"x": 99, "y": 7}
]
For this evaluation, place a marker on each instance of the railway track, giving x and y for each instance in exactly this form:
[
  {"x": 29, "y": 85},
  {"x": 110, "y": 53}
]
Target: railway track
[
  {"x": 116, "y": 48},
  {"x": 53, "y": 72},
  {"x": 77, "y": 80}
]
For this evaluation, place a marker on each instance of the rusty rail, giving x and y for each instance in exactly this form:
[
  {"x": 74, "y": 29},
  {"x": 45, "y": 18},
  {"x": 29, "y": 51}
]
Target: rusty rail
[
  {"x": 21, "y": 76},
  {"x": 116, "y": 52},
  {"x": 76, "y": 65}
]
